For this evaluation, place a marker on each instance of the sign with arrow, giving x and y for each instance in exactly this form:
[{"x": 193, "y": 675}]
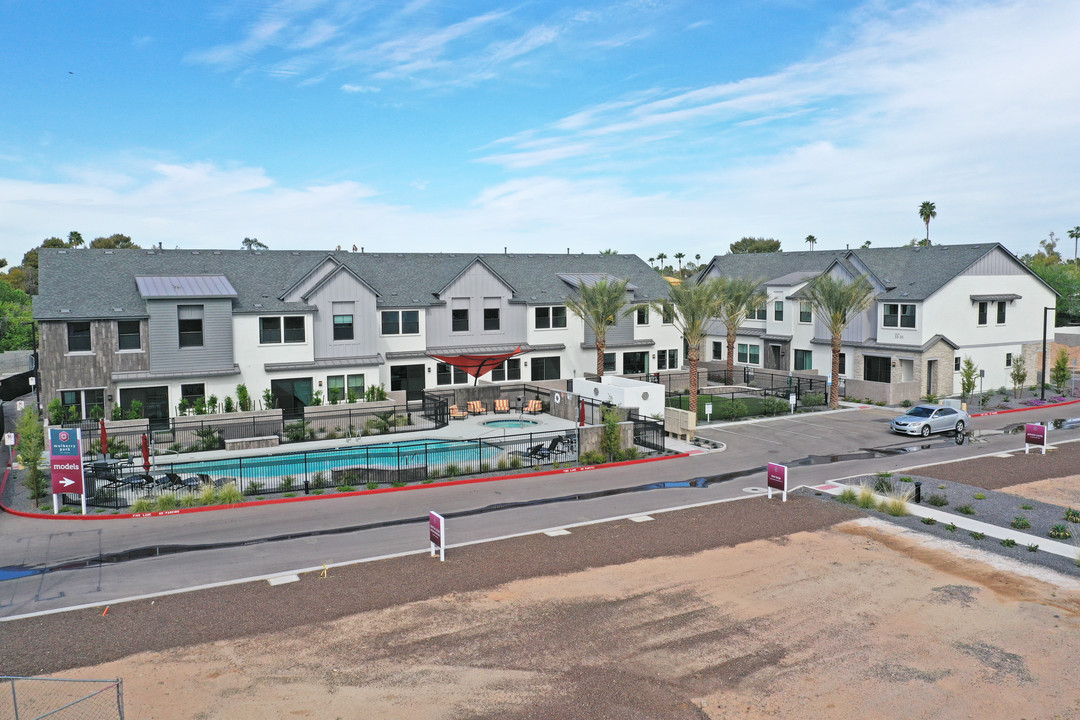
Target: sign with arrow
[{"x": 65, "y": 460}]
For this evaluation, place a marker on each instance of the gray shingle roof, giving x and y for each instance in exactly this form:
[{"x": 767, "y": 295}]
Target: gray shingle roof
[{"x": 101, "y": 284}]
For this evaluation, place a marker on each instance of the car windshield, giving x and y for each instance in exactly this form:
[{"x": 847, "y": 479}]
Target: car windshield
[{"x": 924, "y": 412}]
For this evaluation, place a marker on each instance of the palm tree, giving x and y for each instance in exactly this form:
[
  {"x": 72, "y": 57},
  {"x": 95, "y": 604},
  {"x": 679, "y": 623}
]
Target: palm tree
[
  {"x": 600, "y": 306},
  {"x": 927, "y": 211},
  {"x": 1075, "y": 235},
  {"x": 836, "y": 302},
  {"x": 738, "y": 298},
  {"x": 661, "y": 257},
  {"x": 652, "y": 260},
  {"x": 692, "y": 307},
  {"x": 679, "y": 256},
  {"x": 812, "y": 240}
]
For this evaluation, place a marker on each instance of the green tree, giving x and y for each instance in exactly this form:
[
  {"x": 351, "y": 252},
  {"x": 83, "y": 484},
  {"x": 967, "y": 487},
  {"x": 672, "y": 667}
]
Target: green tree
[
  {"x": 600, "y": 305},
  {"x": 812, "y": 241},
  {"x": 113, "y": 242},
  {"x": 865, "y": 245},
  {"x": 679, "y": 256},
  {"x": 836, "y": 302},
  {"x": 609, "y": 251},
  {"x": 754, "y": 245},
  {"x": 692, "y": 306},
  {"x": 927, "y": 211},
  {"x": 969, "y": 374},
  {"x": 1018, "y": 375},
  {"x": 738, "y": 297},
  {"x": 16, "y": 328},
  {"x": 31, "y": 448},
  {"x": 1065, "y": 279},
  {"x": 254, "y": 244},
  {"x": 1060, "y": 374},
  {"x": 660, "y": 258},
  {"x": 1074, "y": 235}
]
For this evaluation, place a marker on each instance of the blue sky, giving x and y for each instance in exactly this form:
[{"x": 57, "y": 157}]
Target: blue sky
[{"x": 641, "y": 125}]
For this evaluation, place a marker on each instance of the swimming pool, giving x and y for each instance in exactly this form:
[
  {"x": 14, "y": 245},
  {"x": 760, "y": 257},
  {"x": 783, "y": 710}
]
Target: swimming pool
[
  {"x": 433, "y": 454},
  {"x": 509, "y": 423}
]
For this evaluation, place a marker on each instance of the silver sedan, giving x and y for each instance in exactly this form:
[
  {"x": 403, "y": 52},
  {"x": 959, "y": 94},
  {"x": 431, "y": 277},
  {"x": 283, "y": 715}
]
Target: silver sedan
[{"x": 926, "y": 419}]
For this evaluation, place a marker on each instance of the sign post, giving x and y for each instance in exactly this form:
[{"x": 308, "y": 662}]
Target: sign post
[
  {"x": 777, "y": 479},
  {"x": 708, "y": 412},
  {"x": 1034, "y": 435},
  {"x": 791, "y": 402},
  {"x": 437, "y": 534},
  {"x": 65, "y": 461}
]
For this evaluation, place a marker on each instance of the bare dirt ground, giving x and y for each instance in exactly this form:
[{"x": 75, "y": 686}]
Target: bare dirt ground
[
  {"x": 860, "y": 620},
  {"x": 1056, "y": 491}
]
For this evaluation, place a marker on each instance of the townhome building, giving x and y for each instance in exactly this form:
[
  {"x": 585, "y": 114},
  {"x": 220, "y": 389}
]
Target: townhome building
[
  {"x": 162, "y": 327},
  {"x": 933, "y": 306}
]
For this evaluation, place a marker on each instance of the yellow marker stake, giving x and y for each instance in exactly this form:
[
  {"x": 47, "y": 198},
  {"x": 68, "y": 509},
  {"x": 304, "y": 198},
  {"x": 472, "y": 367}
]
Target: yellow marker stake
[{"x": 325, "y": 572}]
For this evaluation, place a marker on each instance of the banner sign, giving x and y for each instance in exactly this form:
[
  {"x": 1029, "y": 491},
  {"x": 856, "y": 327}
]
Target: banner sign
[
  {"x": 1034, "y": 435},
  {"x": 437, "y": 534},
  {"x": 65, "y": 458},
  {"x": 776, "y": 478}
]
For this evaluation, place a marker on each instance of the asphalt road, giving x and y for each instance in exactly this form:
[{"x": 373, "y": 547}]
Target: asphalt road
[{"x": 231, "y": 545}]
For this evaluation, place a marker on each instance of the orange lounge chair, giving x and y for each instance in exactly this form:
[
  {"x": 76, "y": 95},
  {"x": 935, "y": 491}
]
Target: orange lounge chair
[
  {"x": 477, "y": 408},
  {"x": 456, "y": 414},
  {"x": 534, "y": 407},
  {"x": 502, "y": 405}
]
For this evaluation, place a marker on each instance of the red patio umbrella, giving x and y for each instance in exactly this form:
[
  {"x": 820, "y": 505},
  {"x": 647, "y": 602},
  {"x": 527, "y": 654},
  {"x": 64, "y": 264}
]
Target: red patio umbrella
[
  {"x": 104, "y": 440},
  {"x": 146, "y": 452},
  {"x": 581, "y": 413}
]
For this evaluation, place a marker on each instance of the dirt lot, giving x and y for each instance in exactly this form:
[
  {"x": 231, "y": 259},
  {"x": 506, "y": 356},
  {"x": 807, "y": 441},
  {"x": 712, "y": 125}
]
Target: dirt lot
[
  {"x": 857, "y": 620},
  {"x": 1056, "y": 491}
]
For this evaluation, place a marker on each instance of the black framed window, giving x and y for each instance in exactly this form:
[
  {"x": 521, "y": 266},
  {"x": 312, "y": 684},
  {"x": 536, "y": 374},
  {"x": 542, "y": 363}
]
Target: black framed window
[
  {"x": 907, "y": 316},
  {"x": 749, "y": 354},
  {"x": 410, "y": 322},
  {"x": 843, "y": 363},
  {"x": 507, "y": 370},
  {"x": 294, "y": 329},
  {"x": 982, "y": 312},
  {"x": 446, "y": 374},
  {"x": 956, "y": 364},
  {"x": 193, "y": 392},
  {"x": 355, "y": 388},
  {"x": 491, "y": 318},
  {"x": 643, "y": 316},
  {"x": 343, "y": 327},
  {"x": 335, "y": 388},
  {"x": 269, "y": 330},
  {"x": 391, "y": 322},
  {"x": 459, "y": 320},
  {"x": 78, "y": 337},
  {"x": 127, "y": 335},
  {"x": 804, "y": 312},
  {"x": 1001, "y": 313},
  {"x": 667, "y": 359},
  {"x": 778, "y": 310},
  {"x": 558, "y": 316},
  {"x": 717, "y": 350},
  {"x": 635, "y": 363},
  {"x": 190, "y": 325},
  {"x": 609, "y": 362},
  {"x": 877, "y": 369},
  {"x": 546, "y": 368},
  {"x": 804, "y": 360}
]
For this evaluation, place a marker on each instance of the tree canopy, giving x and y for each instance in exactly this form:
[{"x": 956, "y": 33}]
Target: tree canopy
[
  {"x": 755, "y": 245},
  {"x": 255, "y": 244}
]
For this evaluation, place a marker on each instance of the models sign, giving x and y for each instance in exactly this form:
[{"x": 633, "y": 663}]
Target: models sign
[
  {"x": 65, "y": 458},
  {"x": 776, "y": 478},
  {"x": 437, "y": 534},
  {"x": 1034, "y": 435}
]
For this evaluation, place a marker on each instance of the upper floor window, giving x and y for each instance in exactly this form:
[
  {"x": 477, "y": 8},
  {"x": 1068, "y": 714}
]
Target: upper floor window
[
  {"x": 643, "y": 316},
  {"x": 343, "y": 327},
  {"x": 127, "y": 335},
  {"x": 550, "y": 317},
  {"x": 758, "y": 314},
  {"x": 401, "y": 322},
  {"x": 804, "y": 312},
  {"x": 78, "y": 336},
  {"x": 459, "y": 320},
  {"x": 983, "y": 306},
  {"x": 190, "y": 325},
  {"x": 668, "y": 316},
  {"x": 1001, "y": 312},
  {"x": 270, "y": 329},
  {"x": 778, "y": 310},
  {"x": 897, "y": 315},
  {"x": 491, "y": 318}
]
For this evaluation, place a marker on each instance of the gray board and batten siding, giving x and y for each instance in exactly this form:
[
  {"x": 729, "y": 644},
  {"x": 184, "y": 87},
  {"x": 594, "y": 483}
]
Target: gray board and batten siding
[
  {"x": 475, "y": 290},
  {"x": 216, "y": 351},
  {"x": 343, "y": 293}
]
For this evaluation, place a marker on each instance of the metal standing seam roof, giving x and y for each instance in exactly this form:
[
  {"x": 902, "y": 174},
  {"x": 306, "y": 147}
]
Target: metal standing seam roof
[{"x": 200, "y": 286}]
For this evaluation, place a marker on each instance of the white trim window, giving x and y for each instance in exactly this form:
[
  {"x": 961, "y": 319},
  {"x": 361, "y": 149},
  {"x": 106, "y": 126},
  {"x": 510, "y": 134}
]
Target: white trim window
[{"x": 749, "y": 354}]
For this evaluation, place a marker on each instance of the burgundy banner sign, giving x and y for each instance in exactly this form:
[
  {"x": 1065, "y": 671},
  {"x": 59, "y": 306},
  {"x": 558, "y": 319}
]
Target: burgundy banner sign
[{"x": 65, "y": 459}]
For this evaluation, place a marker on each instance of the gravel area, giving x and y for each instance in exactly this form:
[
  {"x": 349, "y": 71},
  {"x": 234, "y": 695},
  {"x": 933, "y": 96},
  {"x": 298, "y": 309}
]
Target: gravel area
[{"x": 996, "y": 472}]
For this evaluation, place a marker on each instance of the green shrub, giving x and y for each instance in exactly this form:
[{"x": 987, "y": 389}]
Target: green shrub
[
  {"x": 346, "y": 488},
  {"x": 951, "y": 527},
  {"x": 502, "y": 464},
  {"x": 896, "y": 503},
  {"x": 1008, "y": 542},
  {"x": 774, "y": 406},
  {"x": 630, "y": 453},
  {"x": 813, "y": 399},
  {"x": 168, "y": 501},
  {"x": 207, "y": 496},
  {"x": 230, "y": 495},
  {"x": 297, "y": 431},
  {"x": 848, "y": 496},
  {"x": 980, "y": 496},
  {"x": 1020, "y": 522},
  {"x": 592, "y": 457},
  {"x": 397, "y": 483},
  {"x": 1025, "y": 506},
  {"x": 372, "y": 486},
  {"x": 317, "y": 492},
  {"x": 1072, "y": 516},
  {"x": 289, "y": 494},
  {"x": 1033, "y": 547},
  {"x": 287, "y": 483},
  {"x": 905, "y": 479},
  {"x": 731, "y": 410},
  {"x": 515, "y": 462},
  {"x": 882, "y": 486},
  {"x": 453, "y": 469},
  {"x": 905, "y": 403},
  {"x": 253, "y": 488},
  {"x": 1060, "y": 532},
  {"x": 142, "y": 505},
  {"x": 966, "y": 510},
  {"x": 937, "y": 500},
  {"x": 319, "y": 481},
  {"x": 978, "y": 536},
  {"x": 929, "y": 521}
]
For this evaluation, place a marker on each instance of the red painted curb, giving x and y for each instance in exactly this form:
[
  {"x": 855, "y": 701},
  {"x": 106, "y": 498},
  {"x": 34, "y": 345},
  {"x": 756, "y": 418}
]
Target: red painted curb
[
  {"x": 305, "y": 498},
  {"x": 1025, "y": 409}
]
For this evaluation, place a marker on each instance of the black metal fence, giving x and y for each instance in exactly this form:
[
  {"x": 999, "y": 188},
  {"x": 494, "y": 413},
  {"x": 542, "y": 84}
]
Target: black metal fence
[
  {"x": 38, "y": 698},
  {"x": 200, "y": 434},
  {"x": 648, "y": 433}
]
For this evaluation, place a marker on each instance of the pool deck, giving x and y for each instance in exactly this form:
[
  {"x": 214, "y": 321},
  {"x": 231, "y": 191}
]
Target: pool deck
[{"x": 471, "y": 428}]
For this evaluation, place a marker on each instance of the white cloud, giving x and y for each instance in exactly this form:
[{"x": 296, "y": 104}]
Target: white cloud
[{"x": 350, "y": 88}]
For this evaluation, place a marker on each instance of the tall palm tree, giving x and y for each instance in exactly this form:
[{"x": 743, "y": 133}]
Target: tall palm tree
[
  {"x": 692, "y": 307},
  {"x": 1075, "y": 235},
  {"x": 652, "y": 260},
  {"x": 738, "y": 298},
  {"x": 679, "y": 256},
  {"x": 927, "y": 211},
  {"x": 600, "y": 306},
  {"x": 661, "y": 257},
  {"x": 812, "y": 240},
  {"x": 836, "y": 302}
]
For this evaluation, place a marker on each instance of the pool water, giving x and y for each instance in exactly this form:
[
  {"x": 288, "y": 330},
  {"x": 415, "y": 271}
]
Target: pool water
[
  {"x": 411, "y": 453},
  {"x": 510, "y": 423}
]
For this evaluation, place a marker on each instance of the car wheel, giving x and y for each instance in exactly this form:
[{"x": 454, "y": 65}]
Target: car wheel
[
  {"x": 925, "y": 431},
  {"x": 959, "y": 426}
]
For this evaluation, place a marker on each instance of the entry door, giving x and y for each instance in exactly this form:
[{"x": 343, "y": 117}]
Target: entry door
[
  {"x": 292, "y": 395},
  {"x": 775, "y": 349},
  {"x": 931, "y": 377},
  {"x": 409, "y": 378}
]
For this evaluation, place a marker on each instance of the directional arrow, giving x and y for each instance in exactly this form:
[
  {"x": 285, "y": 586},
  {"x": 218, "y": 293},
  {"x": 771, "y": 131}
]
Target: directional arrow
[{"x": 65, "y": 482}]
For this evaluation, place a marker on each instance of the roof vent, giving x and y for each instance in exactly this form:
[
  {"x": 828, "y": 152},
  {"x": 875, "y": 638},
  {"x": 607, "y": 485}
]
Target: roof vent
[
  {"x": 116, "y": 309},
  {"x": 62, "y": 252},
  {"x": 194, "y": 252},
  {"x": 109, "y": 252},
  {"x": 64, "y": 310},
  {"x": 151, "y": 252},
  {"x": 217, "y": 252},
  {"x": 400, "y": 255},
  {"x": 295, "y": 253},
  {"x": 258, "y": 304},
  {"x": 266, "y": 296}
]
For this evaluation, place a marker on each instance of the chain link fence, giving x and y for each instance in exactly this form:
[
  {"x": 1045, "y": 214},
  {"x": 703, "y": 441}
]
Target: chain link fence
[{"x": 23, "y": 698}]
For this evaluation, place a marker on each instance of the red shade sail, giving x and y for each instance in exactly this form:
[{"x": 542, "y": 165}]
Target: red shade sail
[{"x": 477, "y": 365}]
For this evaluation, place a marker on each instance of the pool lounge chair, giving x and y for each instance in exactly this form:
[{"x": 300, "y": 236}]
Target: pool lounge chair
[
  {"x": 502, "y": 405},
  {"x": 535, "y": 407},
  {"x": 476, "y": 407},
  {"x": 544, "y": 453},
  {"x": 456, "y": 414}
]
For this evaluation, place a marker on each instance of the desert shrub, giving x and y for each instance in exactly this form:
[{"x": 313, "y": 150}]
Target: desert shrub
[
  {"x": 502, "y": 464},
  {"x": 951, "y": 527},
  {"x": 848, "y": 496},
  {"x": 515, "y": 462},
  {"x": 346, "y": 488},
  {"x": 1020, "y": 522},
  {"x": 287, "y": 483},
  {"x": 1025, "y": 506},
  {"x": 966, "y": 510},
  {"x": 1072, "y": 516},
  {"x": 980, "y": 496},
  {"x": 168, "y": 501},
  {"x": 142, "y": 505},
  {"x": 896, "y": 503},
  {"x": 1060, "y": 532},
  {"x": 253, "y": 488},
  {"x": 207, "y": 496},
  {"x": 905, "y": 479},
  {"x": 592, "y": 457},
  {"x": 866, "y": 498},
  {"x": 929, "y": 521},
  {"x": 372, "y": 486},
  {"x": 230, "y": 495},
  {"x": 937, "y": 500},
  {"x": 319, "y": 481},
  {"x": 883, "y": 486},
  {"x": 1008, "y": 542},
  {"x": 189, "y": 501},
  {"x": 978, "y": 536},
  {"x": 1033, "y": 547},
  {"x": 453, "y": 469}
]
